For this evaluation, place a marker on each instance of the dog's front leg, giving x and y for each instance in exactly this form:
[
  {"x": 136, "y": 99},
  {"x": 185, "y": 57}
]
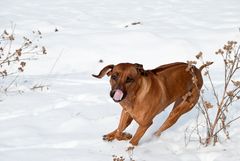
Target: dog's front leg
[
  {"x": 139, "y": 133},
  {"x": 118, "y": 134}
]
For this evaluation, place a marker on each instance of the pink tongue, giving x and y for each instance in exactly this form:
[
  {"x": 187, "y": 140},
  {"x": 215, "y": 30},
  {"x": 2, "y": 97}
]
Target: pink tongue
[{"x": 118, "y": 95}]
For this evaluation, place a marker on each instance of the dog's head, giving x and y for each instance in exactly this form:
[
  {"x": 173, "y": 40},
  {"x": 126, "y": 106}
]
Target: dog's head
[{"x": 124, "y": 78}]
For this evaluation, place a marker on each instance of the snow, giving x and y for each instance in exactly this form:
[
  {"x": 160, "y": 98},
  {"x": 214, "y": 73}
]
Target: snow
[{"x": 66, "y": 122}]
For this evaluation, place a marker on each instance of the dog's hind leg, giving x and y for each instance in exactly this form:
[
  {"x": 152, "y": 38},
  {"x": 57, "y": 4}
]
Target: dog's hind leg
[{"x": 181, "y": 106}]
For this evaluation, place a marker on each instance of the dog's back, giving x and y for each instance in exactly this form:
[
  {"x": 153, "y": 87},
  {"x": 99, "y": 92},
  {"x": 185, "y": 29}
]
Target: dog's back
[
  {"x": 182, "y": 68},
  {"x": 166, "y": 66}
]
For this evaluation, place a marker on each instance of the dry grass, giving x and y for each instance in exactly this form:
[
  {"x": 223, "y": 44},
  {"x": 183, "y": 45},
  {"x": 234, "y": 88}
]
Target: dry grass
[
  {"x": 14, "y": 56},
  {"x": 218, "y": 121}
]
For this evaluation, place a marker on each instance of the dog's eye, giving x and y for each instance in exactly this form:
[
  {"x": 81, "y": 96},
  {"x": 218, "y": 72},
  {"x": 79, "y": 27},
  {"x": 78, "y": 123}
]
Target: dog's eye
[
  {"x": 129, "y": 80},
  {"x": 114, "y": 77}
]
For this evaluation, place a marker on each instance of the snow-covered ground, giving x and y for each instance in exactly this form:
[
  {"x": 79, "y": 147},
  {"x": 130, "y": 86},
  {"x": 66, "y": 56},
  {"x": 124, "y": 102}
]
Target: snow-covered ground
[{"x": 67, "y": 121}]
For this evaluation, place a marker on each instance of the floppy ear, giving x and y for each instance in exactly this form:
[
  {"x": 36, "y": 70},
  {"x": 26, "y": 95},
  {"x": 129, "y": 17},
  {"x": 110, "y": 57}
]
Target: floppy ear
[
  {"x": 106, "y": 69},
  {"x": 140, "y": 69}
]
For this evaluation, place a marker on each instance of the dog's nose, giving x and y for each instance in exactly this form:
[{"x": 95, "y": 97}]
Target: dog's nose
[{"x": 112, "y": 93}]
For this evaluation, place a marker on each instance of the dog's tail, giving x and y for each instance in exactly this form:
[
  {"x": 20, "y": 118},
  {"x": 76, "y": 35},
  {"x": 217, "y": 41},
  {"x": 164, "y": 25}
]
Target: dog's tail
[{"x": 205, "y": 65}]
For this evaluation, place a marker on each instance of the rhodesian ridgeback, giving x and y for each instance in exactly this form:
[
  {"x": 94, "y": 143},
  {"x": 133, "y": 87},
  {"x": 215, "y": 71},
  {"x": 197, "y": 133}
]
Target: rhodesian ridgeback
[{"x": 145, "y": 93}]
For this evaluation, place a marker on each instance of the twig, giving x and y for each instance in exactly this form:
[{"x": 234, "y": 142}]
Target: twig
[
  {"x": 231, "y": 59},
  {"x": 14, "y": 80},
  {"x": 227, "y": 125}
]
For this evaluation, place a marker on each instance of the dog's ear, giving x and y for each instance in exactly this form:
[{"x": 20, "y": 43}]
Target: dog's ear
[
  {"x": 140, "y": 69},
  {"x": 107, "y": 69}
]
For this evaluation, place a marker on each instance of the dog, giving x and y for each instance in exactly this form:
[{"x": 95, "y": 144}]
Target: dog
[{"x": 145, "y": 93}]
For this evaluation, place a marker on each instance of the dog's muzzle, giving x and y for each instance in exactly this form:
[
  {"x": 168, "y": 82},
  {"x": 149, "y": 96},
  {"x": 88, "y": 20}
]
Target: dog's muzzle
[{"x": 117, "y": 95}]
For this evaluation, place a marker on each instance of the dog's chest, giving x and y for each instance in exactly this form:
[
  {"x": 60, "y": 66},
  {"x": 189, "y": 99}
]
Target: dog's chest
[{"x": 137, "y": 114}]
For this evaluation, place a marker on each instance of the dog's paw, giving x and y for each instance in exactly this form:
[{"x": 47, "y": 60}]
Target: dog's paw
[
  {"x": 108, "y": 137},
  {"x": 118, "y": 136},
  {"x": 133, "y": 142},
  {"x": 124, "y": 136}
]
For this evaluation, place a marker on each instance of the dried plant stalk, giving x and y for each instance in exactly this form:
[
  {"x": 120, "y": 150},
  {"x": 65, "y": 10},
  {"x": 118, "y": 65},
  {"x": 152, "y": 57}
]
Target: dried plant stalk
[
  {"x": 223, "y": 100},
  {"x": 14, "y": 57}
]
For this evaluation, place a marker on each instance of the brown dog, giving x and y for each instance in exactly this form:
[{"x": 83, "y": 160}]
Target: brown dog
[{"x": 145, "y": 93}]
